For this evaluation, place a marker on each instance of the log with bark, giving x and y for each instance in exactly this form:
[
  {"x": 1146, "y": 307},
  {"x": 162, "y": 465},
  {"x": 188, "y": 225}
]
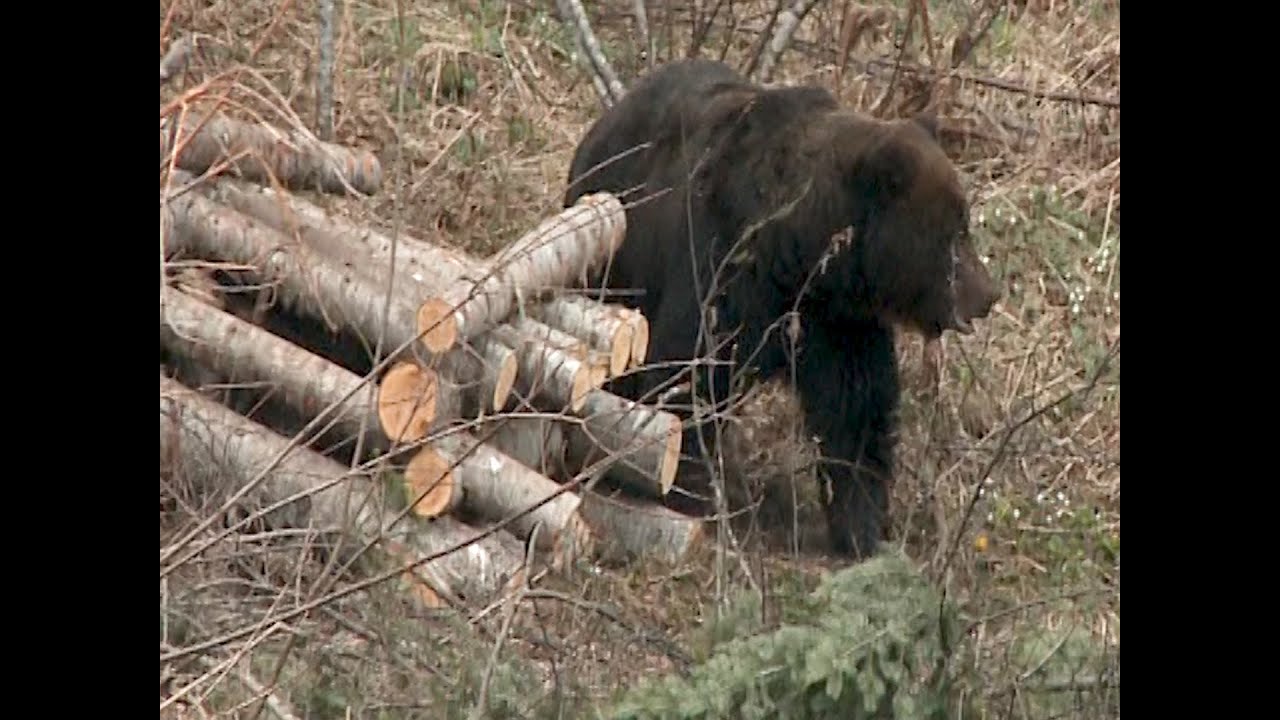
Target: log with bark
[
  {"x": 312, "y": 285},
  {"x": 620, "y": 527},
  {"x": 614, "y": 330},
  {"x": 601, "y": 326},
  {"x": 239, "y": 351},
  {"x": 414, "y": 400},
  {"x": 260, "y": 152},
  {"x": 339, "y": 237},
  {"x": 206, "y": 227},
  {"x": 548, "y": 377},
  {"x": 644, "y": 441},
  {"x": 495, "y": 486},
  {"x": 627, "y": 528},
  {"x": 459, "y": 472},
  {"x": 222, "y": 450},
  {"x": 597, "y": 363},
  {"x": 566, "y": 245}
]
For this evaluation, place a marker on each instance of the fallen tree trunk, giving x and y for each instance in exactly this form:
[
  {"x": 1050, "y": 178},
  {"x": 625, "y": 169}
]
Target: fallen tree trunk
[
  {"x": 225, "y": 451},
  {"x": 334, "y": 234},
  {"x": 458, "y": 471},
  {"x": 240, "y": 351},
  {"x": 597, "y": 362},
  {"x": 548, "y": 377},
  {"x": 429, "y": 268},
  {"x": 629, "y": 528},
  {"x": 599, "y": 325},
  {"x": 644, "y": 442},
  {"x": 310, "y": 285},
  {"x": 260, "y": 152},
  {"x": 620, "y": 527},
  {"x": 560, "y": 247}
]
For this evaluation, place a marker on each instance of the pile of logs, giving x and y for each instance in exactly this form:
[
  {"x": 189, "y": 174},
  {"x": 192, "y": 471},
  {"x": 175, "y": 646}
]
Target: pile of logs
[{"x": 489, "y": 400}]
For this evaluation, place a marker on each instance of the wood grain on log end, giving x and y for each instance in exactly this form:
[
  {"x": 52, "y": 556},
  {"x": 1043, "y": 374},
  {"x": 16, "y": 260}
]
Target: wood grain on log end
[
  {"x": 639, "y": 338},
  {"x": 438, "y": 324},
  {"x": 430, "y": 481},
  {"x": 671, "y": 458},
  {"x": 407, "y": 398},
  {"x": 505, "y": 380}
]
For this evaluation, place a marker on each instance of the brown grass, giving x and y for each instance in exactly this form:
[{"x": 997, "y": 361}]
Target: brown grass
[{"x": 476, "y": 142}]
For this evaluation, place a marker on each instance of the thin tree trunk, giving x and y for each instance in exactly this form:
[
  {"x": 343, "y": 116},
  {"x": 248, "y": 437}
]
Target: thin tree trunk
[
  {"x": 561, "y": 247},
  {"x": 621, "y": 527},
  {"x": 261, "y": 152},
  {"x": 548, "y": 377},
  {"x": 457, "y": 471},
  {"x": 597, "y": 324},
  {"x": 239, "y": 351},
  {"x": 788, "y": 21},
  {"x": 633, "y": 527},
  {"x": 606, "y": 80}
]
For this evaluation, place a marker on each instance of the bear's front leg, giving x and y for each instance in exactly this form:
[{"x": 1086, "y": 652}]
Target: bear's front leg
[{"x": 848, "y": 384}]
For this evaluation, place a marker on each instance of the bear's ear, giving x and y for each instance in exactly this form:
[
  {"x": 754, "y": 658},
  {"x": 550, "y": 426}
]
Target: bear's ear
[
  {"x": 885, "y": 170},
  {"x": 927, "y": 119}
]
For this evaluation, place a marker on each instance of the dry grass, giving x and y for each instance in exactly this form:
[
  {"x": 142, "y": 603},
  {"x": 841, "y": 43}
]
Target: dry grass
[{"x": 475, "y": 121}]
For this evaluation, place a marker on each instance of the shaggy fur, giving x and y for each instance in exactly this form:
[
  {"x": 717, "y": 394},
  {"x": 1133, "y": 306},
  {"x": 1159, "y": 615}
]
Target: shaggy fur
[{"x": 771, "y": 229}]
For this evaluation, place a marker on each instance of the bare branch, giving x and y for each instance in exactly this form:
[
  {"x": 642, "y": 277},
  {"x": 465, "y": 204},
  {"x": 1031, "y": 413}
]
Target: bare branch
[
  {"x": 606, "y": 80},
  {"x": 262, "y": 153},
  {"x": 788, "y": 21}
]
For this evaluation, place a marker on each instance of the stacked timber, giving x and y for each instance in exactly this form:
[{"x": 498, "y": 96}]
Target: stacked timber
[{"x": 489, "y": 398}]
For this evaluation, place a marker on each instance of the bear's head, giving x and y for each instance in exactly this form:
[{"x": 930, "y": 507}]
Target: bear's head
[{"x": 916, "y": 260}]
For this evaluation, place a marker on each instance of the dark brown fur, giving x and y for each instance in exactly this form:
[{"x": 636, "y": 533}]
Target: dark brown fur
[{"x": 736, "y": 201}]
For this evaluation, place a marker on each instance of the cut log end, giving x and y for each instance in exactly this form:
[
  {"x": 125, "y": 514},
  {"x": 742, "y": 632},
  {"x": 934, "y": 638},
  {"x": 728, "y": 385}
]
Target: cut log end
[
  {"x": 438, "y": 324},
  {"x": 639, "y": 340},
  {"x": 407, "y": 399},
  {"x": 582, "y": 384},
  {"x": 423, "y": 593},
  {"x": 670, "y": 459},
  {"x": 599, "y": 374},
  {"x": 574, "y": 542},
  {"x": 505, "y": 381},
  {"x": 429, "y": 479},
  {"x": 622, "y": 351}
]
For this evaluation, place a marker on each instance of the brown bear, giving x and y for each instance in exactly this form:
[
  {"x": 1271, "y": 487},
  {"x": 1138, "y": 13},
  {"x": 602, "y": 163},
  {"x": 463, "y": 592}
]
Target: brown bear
[{"x": 770, "y": 229}]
